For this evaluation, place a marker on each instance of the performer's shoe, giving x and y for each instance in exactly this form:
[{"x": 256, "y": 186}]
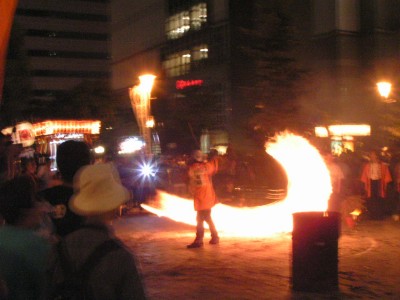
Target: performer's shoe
[
  {"x": 195, "y": 244},
  {"x": 214, "y": 241}
]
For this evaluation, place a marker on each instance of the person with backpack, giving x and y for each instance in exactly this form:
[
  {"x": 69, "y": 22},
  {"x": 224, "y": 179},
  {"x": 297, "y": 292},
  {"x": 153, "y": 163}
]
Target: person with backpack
[{"x": 90, "y": 262}]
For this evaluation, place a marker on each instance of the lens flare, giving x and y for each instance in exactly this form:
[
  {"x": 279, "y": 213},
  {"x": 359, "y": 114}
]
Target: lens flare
[{"x": 309, "y": 188}]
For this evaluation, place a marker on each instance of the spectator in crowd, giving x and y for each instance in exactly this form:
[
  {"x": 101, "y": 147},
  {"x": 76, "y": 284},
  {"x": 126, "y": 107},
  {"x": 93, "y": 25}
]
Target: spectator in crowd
[
  {"x": 396, "y": 179},
  {"x": 23, "y": 253},
  {"x": 375, "y": 177},
  {"x": 337, "y": 177},
  {"x": 98, "y": 193},
  {"x": 9, "y": 158},
  {"x": 71, "y": 156},
  {"x": 201, "y": 187},
  {"x": 126, "y": 171},
  {"x": 3, "y": 157},
  {"x": 46, "y": 176},
  {"x": 29, "y": 168}
]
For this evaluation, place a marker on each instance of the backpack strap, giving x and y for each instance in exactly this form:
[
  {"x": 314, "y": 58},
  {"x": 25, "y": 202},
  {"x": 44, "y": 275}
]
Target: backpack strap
[
  {"x": 98, "y": 253},
  {"x": 65, "y": 261},
  {"x": 94, "y": 258}
]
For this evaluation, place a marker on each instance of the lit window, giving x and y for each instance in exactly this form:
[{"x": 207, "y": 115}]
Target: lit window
[
  {"x": 177, "y": 25},
  {"x": 177, "y": 64},
  {"x": 198, "y": 15},
  {"x": 200, "y": 52}
]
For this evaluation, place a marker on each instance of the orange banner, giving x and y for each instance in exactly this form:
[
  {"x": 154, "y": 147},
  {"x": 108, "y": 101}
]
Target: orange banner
[{"x": 7, "y": 10}]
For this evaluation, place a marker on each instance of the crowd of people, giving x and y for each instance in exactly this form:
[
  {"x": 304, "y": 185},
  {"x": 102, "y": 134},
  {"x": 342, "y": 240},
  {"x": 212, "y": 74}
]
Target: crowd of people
[
  {"x": 57, "y": 241},
  {"x": 372, "y": 177},
  {"x": 57, "y": 226}
]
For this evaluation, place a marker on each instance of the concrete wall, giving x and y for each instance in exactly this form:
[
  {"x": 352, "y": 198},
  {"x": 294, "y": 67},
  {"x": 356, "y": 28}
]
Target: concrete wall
[{"x": 138, "y": 32}]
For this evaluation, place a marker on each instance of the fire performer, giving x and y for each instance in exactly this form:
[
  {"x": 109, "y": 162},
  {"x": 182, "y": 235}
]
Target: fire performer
[
  {"x": 375, "y": 176},
  {"x": 202, "y": 189}
]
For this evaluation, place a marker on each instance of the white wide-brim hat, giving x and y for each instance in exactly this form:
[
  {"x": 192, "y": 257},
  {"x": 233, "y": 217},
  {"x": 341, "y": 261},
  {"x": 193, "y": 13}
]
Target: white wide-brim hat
[{"x": 97, "y": 190}]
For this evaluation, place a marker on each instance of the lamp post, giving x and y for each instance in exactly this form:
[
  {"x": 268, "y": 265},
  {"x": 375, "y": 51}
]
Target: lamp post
[
  {"x": 388, "y": 123},
  {"x": 140, "y": 96}
]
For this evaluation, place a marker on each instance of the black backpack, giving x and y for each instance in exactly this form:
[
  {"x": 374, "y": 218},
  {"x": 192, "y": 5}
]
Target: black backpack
[{"x": 75, "y": 284}]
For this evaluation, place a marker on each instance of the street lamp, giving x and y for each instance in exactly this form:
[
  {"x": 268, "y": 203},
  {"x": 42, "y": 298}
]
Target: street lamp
[
  {"x": 140, "y": 96},
  {"x": 384, "y": 89}
]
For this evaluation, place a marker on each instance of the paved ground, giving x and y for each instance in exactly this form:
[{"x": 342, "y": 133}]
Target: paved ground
[{"x": 242, "y": 268}]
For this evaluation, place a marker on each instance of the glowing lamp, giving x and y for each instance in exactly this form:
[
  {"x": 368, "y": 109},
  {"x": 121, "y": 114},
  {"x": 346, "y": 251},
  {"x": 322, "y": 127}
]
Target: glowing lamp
[
  {"x": 384, "y": 88},
  {"x": 350, "y": 130},
  {"x": 321, "y": 131},
  {"x": 99, "y": 150}
]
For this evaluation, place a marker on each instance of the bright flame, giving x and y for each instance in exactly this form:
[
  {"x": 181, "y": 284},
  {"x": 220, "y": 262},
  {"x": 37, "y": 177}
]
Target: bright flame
[
  {"x": 309, "y": 188},
  {"x": 146, "y": 83},
  {"x": 140, "y": 101}
]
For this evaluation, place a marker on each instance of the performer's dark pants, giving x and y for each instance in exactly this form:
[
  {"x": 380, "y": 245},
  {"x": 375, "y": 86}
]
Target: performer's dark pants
[
  {"x": 204, "y": 216},
  {"x": 375, "y": 204}
]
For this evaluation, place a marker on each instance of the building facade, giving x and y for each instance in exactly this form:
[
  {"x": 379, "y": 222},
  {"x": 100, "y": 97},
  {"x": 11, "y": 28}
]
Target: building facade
[
  {"x": 66, "y": 43},
  {"x": 191, "y": 46}
]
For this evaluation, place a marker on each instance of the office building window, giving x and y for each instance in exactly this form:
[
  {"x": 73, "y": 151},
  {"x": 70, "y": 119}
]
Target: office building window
[
  {"x": 178, "y": 64},
  {"x": 180, "y": 23},
  {"x": 198, "y": 16},
  {"x": 200, "y": 52}
]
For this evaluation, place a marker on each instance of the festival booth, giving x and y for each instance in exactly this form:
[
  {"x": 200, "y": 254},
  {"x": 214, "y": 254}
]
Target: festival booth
[
  {"x": 342, "y": 137},
  {"x": 49, "y": 134}
]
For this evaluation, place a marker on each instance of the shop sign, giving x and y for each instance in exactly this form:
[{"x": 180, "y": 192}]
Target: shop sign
[{"x": 183, "y": 84}]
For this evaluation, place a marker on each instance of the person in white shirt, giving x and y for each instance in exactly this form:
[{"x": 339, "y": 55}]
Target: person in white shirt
[{"x": 375, "y": 177}]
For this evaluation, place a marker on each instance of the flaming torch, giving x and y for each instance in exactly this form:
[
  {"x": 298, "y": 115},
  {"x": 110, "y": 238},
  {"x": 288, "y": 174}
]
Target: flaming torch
[{"x": 140, "y": 96}]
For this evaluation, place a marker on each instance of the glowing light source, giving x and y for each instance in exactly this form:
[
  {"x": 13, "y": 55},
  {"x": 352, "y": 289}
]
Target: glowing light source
[
  {"x": 309, "y": 188},
  {"x": 99, "y": 150},
  {"x": 321, "y": 131},
  {"x": 146, "y": 83},
  {"x": 384, "y": 88},
  {"x": 140, "y": 102},
  {"x": 350, "y": 130},
  {"x": 182, "y": 84},
  {"x": 150, "y": 122},
  {"x": 147, "y": 169},
  {"x": 130, "y": 145},
  {"x": 67, "y": 127}
]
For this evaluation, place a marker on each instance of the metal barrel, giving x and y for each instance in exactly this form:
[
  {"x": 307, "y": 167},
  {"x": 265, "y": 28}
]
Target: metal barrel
[{"x": 315, "y": 251}]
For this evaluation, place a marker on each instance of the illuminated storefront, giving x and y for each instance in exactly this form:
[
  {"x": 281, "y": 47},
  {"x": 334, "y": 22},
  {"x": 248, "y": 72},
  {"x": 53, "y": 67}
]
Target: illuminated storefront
[
  {"x": 342, "y": 136},
  {"x": 49, "y": 134}
]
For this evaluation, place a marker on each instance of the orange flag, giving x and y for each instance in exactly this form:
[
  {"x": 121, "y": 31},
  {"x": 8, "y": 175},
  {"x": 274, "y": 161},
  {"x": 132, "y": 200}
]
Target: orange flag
[{"x": 7, "y": 10}]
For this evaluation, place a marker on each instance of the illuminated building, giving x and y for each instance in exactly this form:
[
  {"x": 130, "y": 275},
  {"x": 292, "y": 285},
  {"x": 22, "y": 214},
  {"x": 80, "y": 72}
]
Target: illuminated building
[
  {"x": 342, "y": 136},
  {"x": 66, "y": 43},
  {"x": 192, "y": 48}
]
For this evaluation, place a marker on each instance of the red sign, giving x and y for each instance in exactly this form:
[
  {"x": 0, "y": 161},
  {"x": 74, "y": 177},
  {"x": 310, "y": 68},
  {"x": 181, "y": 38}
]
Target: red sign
[{"x": 182, "y": 84}]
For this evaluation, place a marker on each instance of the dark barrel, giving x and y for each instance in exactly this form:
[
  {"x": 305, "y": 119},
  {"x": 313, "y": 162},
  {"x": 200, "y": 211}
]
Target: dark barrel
[{"x": 315, "y": 251}]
